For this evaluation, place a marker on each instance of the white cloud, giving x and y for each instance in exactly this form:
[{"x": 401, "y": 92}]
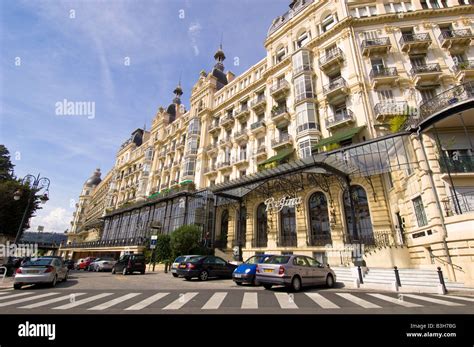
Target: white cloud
[
  {"x": 55, "y": 219},
  {"x": 194, "y": 31}
]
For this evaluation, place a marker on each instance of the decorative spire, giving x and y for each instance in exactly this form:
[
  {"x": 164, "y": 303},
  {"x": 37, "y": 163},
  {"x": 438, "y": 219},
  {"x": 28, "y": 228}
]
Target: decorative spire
[
  {"x": 178, "y": 91},
  {"x": 219, "y": 57}
]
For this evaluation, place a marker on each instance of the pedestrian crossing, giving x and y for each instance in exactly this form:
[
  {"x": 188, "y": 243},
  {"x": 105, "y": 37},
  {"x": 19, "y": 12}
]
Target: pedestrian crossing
[{"x": 213, "y": 301}]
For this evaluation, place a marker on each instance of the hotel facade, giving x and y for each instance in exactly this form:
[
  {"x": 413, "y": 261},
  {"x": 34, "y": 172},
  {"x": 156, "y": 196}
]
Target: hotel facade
[{"x": 356, "y": 129}]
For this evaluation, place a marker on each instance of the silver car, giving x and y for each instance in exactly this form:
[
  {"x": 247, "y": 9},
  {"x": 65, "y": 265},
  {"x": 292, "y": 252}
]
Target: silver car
[
  {"x": 177, "y": 261},
  {"x": 41, "y": 270},
  {"x": 102, "y": 264},
  {"x": 294, "y": 271}
]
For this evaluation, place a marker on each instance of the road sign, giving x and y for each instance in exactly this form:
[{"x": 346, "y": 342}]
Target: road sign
[{"x": 153, "y": 241}]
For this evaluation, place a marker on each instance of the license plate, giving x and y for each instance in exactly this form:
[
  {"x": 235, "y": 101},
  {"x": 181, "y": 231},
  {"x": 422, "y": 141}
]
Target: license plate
[
  {"x": 33, "y": 272},
  {"x": 182, "y": 266},
  {"x": 173, "y": 271},
  {"x": 267, "y": 270},
  {"x": 238, "y": 275}
]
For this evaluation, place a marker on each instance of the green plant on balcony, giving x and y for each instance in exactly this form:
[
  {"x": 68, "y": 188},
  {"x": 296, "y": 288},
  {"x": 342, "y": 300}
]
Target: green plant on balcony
[
  {"x": 397, "y": 122},
  {"x": 275, "y": 109},
  {"x": 333, "y": 146}
]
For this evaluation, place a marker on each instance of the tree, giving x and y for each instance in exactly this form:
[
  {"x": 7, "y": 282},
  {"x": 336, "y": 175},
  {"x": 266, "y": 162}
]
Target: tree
[
  {"x": 11, "y": 211},
  {"x": 163, "y": 248},
  {"x": 185, "y": 239}
]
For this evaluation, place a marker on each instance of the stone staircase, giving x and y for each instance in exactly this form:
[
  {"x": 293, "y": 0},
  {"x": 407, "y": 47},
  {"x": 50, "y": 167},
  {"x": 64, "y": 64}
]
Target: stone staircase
[{"x": 408, "y": 277}]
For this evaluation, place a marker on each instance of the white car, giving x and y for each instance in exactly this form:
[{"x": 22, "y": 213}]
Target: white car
[
  {"x": 41, "y": 270},
  {"x": 102, "y": 264}
]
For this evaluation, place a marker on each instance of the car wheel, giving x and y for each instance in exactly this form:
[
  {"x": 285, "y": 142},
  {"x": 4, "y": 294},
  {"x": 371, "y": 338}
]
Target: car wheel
[
  {"x": 66, "y": 276},
  {"x": 113, "y": 270},
  {"x": 255, "y": 282},
  {"x": 55, "y": 281},
  {"x": 17, "y": 286},
  {"x": 238, "y": 283},
  {"x": 142, "y": 272},
  {"x": 267, "y": 286},
  {"x": 203, "y": 276},
  {"x": 175, "y": 275},
  {"x": 329, "y": 281},
  {"x": 124, "y": 271},
  {"x": 296, "y": 284},
  {"x": 187, "y": 278}
]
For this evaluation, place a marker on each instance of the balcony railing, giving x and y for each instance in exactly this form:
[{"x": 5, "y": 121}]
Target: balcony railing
[
  {"x": 333, "y": 54},
  {"x": 261, "y": 150},
  {"x": 287, "y": 240},
  {"x": 210, "y": 168},
  {"x": 463, "y": 65},
  {"x": 427, "y": 68},
  {"x": 371, "y": 239},
  {"x": 392, "y": 108},
  {"x": 319, "y": 239},
  {"x": 227, "y": 119},
  {"x": 414, "y": 38},
  {"x": 240, "y": 134},
  {"x": 278, "y": 111},
  {"x": 443, "y": 101},
  {"x": 242, "y": 111},
  {"x": 335, "y": 84},
  {"x": 383, "y": 72},
  {"x": 279, "y": 86},
  {"x": 133, "y": 241},
  {"x": 455, "y": 34},
  {"x": 282, "y": 139},
  {"x": 257, "y": 125},
  {"x": 339, "y": 117},
  {"x": 223, "y": 164},
  {"x": 258, "y": 101},
  {"x": 375, "y": 42},
  {"x": 261, "y": 241},
  {"x": 214, "y": 126},
  {"x": 457, "y": 164},
  {"x": 459, "y": 204}
]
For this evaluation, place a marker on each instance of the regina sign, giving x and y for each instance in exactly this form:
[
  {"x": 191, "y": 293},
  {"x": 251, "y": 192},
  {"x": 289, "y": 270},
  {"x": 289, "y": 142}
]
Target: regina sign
[{"x": 277, "y": 205}]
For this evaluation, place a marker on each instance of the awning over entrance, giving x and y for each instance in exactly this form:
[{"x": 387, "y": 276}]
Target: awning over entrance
[{"x": 341, "y": 136}]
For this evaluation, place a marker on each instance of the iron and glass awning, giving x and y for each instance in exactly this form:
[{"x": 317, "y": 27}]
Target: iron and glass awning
[{"x": 381, "y": 155}]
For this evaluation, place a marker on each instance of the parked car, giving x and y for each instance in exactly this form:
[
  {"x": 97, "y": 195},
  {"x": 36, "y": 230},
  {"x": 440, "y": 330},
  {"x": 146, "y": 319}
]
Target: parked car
[
  {"x": 179, "y": 260},
  {"x": 294, "y": 271},
  {"x": 78, "y": 264},
  {"x": 41, "y": 270},
  {"x": 204, "y": 267},
  {"x": 245, "y": 272},
  {"x": 70, "y": 264},
  {"x": 83, "y": 264},
  {"x": 130, "y": 263},
  {"x": 102, "y": 264},
  {"x": 11, "y": 264}
]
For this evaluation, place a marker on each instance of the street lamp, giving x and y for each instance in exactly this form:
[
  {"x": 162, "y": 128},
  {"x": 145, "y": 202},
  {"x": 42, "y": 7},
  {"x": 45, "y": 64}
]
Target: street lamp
[{"x": 36, "y": 184}]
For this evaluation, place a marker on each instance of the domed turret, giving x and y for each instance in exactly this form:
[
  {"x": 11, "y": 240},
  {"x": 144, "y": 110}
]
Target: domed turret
[
  {"x": 218, "y": 70},
  {"x": 95, "y": 179}
]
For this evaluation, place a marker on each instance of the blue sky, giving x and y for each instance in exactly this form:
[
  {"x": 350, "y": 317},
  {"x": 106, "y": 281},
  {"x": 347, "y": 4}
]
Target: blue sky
[{"x": 80, "y": 50}]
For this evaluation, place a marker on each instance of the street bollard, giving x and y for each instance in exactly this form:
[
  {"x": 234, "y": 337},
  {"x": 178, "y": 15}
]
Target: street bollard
[
  {"x": 359, "y": 271},
  {"x": 397, "y": 276},
  {"x": 441, "y": 280}
]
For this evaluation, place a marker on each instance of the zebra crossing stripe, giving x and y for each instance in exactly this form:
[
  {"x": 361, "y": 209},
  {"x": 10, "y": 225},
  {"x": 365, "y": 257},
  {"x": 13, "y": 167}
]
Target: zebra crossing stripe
[
  {"x": 30, "y": 298},
  {"x": 321, "y": 300},
  {"x": 15, "y": 295},
  {"x": 456, "y": 297},
  {"x": 250, "y": 301},
  {"x": 81, "y": 302},
  {"x": 113, "y": 302},
  {"x": 433, "y": 300},
  {"x": 215, "y": 301},
  {"x": 358, "y": 301},
  {"x": 181, "y": 301},
  {"x": 394, "y": 300},
  {"x": 285, "y": 301},
  {"x": 52, "y": 301},
  {"x": 148, "y": 301}
]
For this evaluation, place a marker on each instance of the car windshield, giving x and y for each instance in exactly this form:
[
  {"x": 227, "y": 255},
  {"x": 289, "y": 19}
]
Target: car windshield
[
  {"x": 39, "y": 262},
  {"x": 196, "y": 259},
  {"x": 277, "y": 259},
  {"x": 257, "y": 259}
]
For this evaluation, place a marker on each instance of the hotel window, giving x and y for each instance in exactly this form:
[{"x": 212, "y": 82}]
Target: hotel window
[
  {"x": 385, "y": 95},
  {"x": 194, "y": 126},
  {"x": 193, "y": 144},
  {"x": 260, "y": 142},
  {"x": 306, "y": 117},
  {"x": 302, "y": 40},
  {"x": 328, "y": 23},
  {"x": 189, "y": 166},
  {"x": 420, "y": 212},
  {"x": 301, "y": 61},
  {"x": 280, "y": 55},
  {"x": 226, "y": 178},
  {"x": 427, "y": 94},
  {"x": 306, "y": 147},
  {"x": 303, "y": 87}
]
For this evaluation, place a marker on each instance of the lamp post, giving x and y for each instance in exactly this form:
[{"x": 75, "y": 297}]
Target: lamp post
[{"x": 36, "y": 184}]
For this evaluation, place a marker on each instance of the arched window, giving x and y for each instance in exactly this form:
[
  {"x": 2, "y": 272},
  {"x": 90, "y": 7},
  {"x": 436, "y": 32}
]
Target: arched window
[
  {"x": 242, "y": 227},
  {"x": 320, "y": 233},
  {"x": 261, "y": 238},
  {"x": 287, "y": 227},
  {"x": 361, "y": 221},
  {"x": 224, "y": 228}
]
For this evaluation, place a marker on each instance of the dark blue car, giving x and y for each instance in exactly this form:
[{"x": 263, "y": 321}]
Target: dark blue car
[{"x": 245, "y": 273}]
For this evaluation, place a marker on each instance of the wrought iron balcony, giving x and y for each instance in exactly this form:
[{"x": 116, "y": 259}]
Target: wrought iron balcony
[
  {"x": 261, "y": 151},
  {"x": 133, "y": 241},
  {"x": 225, "y": 141},
  {"x": 227, "y": 120},
  {"x": 425, "y": 69},
  {"x": 316, "y": 239},
  {"x": 214, "y": 126},
  {"x": 379, "y": 45},
  {"x": 242, "y": 113},
  {"x": 466, "y": 68},
  {"x": 386, "y": 75},
  {"x": 241, "y": 135},
  {"x": 457, "y": 164},
  {"x": 287, "y": 240},
  {"x": 442, "y": 101},
  {"x": 257, "y": 126},
  {"x": 180, "y": 144},
  {"x": 282, "y": 141},
  {"x": 333, "y": 58},
  {"x": 210, "y": 169},
  {"x": 340, "y": 118},
  {"x": 223, "y": 165},
  {"x": 335, "y": 88},
  {"x": 460, "y": 203},
  {"x": 241, "y": 159},
  {"x": 280, "y": 89},
  {"x": 383, "y": 110},
  {"x": 259, "y": 103},
  {"x": 280, "y": 113},
  {"x": 418, "y": 42},
  {"x": 461, "y": 37}
]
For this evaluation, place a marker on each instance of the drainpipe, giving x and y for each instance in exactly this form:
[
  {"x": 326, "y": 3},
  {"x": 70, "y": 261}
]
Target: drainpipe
[{"x": 438, "y": 203}]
